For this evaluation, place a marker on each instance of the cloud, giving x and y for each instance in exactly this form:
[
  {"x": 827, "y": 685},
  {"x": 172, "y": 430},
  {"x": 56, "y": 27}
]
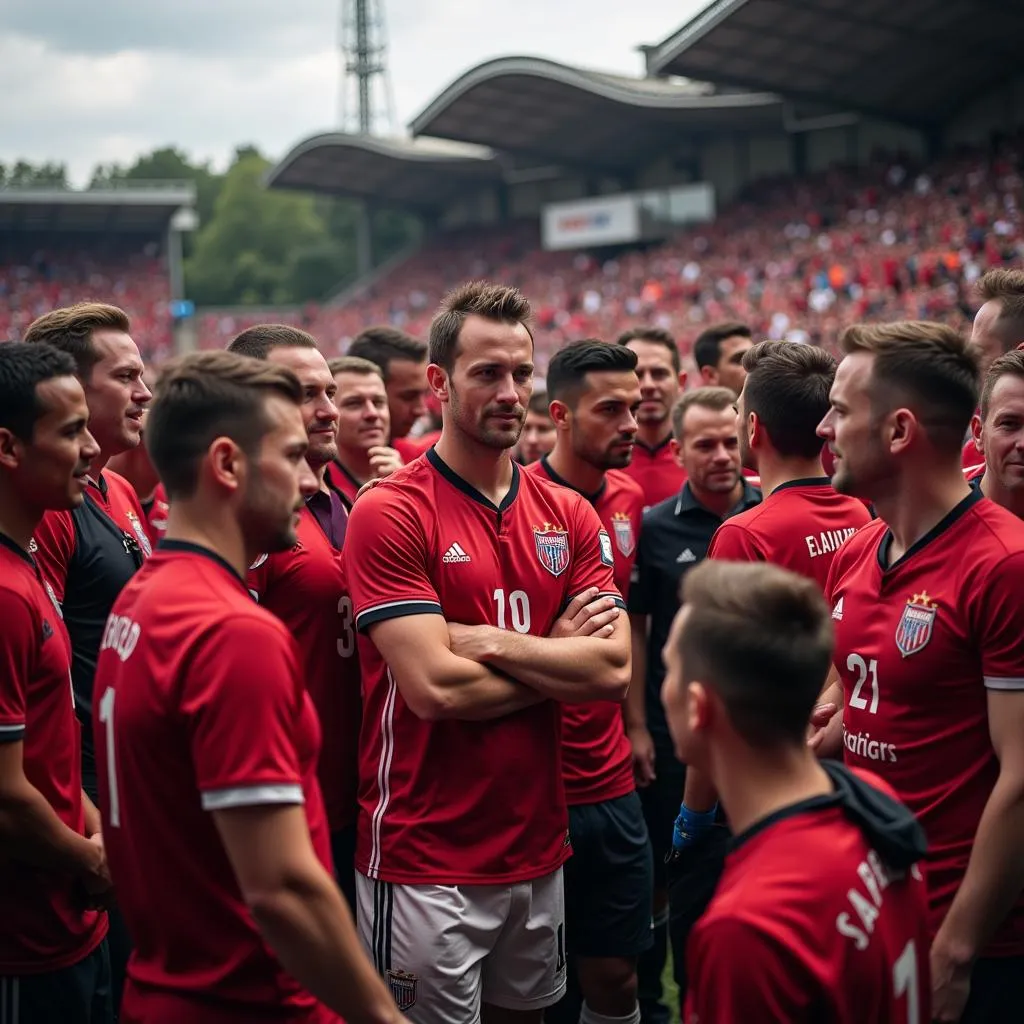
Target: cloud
[{"x": 105, "y": 81}]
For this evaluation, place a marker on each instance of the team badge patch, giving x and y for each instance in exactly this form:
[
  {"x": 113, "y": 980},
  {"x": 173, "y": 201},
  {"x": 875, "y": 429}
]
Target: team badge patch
[
  {"x": 403, "y": 988},
  {"x": 552, "y": 544},
  {"x": 916, "y": 624},
  {"x": 140, "y": 533},
  {"x": 623, "y": 527},
  {"x": 607, "y": 558}
]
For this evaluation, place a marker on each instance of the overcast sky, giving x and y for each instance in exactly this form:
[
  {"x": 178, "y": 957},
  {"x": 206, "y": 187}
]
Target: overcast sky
[{"x": 86, "y": 82}]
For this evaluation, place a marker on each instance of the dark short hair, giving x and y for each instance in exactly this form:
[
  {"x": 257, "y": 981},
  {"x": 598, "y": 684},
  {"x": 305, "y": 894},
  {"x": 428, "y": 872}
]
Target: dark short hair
[
  {"x": 788, "y": 387},
  {"x": 382, "y": 345},
  {"x": 707, "y": 349},
  {"x": 1006, "y": 287},
  {"x": 569, "y": 366},
  {"x": 258, "y": 341},
  {"x": 761, "y": 637},
  {"x": 709, "y": 397},
  {"x": 496, "y": 302},
  {"x": 206, "y": 395},
  {"x": 70, "y": 329},
  {"x": 539, "y": 403},
  {"x": 1011, "y": 364},
  {"x": 656, "y": 336},
  {"x": 23, "y": 368},
  {"x": 928, "y": 367},
  {"x": 354, "y": 364}
]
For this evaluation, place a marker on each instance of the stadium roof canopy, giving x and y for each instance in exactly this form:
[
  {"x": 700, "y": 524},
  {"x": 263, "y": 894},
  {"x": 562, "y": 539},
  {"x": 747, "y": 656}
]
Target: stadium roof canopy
[
  {"x": 546, "y": 110},
  {"x": 423, "y": 173},
  {"x": 144, "y": 207},
  {"x": 916, "y": 61}
]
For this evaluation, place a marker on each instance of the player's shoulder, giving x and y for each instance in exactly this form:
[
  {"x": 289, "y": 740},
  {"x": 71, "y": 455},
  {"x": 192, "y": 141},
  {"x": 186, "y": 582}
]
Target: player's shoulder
[
  {"x": 999, "y": 533},
  {"x": 118, "y": 485},
  {"x": 55, "y": 524},
  {"x": 623, "y": 485},
  {"x": 412, "y": 485}
]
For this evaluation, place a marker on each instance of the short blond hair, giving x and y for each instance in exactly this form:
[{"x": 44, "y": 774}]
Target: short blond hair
[
  {"x": 354, "y": 364},
  {"x": 70, "y": 329}
]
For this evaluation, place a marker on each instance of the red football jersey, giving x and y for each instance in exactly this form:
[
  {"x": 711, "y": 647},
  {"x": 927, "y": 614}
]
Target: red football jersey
[
  {"x": 799, "y": 526},
  {"x": 917, "y": 647},
  {"x": 342, "y": 481},
  {"x": 413, "y": 447},
  {"x": 656, "y": 471},
  {"x": 807, "y": 924},
  {"x": 451, "y": 802},
  {"x": 305, "y": 589},
  {"x": 156, "y": 510},
  {"x": 44, "y": 927},
  {"x": 199, "y": 706},
  {"x": 597, "y": 760}
]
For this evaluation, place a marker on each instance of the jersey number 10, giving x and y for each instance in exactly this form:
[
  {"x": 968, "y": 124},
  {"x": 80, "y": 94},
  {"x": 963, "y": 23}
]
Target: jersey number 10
[{"x": 518, "y": 610}]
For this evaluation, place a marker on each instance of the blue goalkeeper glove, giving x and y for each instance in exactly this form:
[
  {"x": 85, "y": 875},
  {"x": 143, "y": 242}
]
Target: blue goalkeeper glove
[{"x": 690, "y": 826}]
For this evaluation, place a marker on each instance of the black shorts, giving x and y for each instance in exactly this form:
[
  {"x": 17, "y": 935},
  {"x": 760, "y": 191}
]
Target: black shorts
[
  {"x": 661, "y": 800},
  {"x": 79, "y": 994},
  {"x": 608, "y": 880}
]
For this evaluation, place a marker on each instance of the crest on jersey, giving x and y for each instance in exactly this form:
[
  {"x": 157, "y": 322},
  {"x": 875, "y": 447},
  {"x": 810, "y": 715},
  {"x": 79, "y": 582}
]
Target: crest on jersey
[
  {"x": 623, "y": 527},
  {"x": 403, "y": 988},
  {"x": 552, "y": 544},
  {"x": 916, "y": 624},
  {"x": 140, "y": 533}
]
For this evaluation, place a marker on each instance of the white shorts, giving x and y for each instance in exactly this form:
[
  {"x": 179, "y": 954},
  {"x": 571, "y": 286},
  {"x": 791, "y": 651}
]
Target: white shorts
[{"x": 445, "y": 949}]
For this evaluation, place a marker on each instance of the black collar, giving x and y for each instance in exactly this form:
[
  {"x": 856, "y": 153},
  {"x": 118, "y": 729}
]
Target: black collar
[
  {"x": 592, "y": 498},
  {"x": 657, "y": 448},
  {"x": 341, "y": 467},
  {"x": 810, "y": 481},
  {"x": 687, "y": 501},
  {"x": 14, "y": 546},
  {"x": 814, "y": 803},
  {"x": 188, "y": 548},
  {"x": 468, "y": 489},
  {"x": 885, "y": 545}
]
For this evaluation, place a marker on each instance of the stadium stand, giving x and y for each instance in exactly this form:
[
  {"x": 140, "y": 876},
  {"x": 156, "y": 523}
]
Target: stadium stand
[
  {"x": 58, "y": 247},
  {"x": 796, "y": 257}
]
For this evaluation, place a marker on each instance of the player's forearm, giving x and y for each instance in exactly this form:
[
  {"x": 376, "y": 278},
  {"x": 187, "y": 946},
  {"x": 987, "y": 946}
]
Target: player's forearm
[
  {"x": 995, "y": 874},
  {"x": 464, "y": 690},
  {"x": 634, "y": 709},
  {"x": 93, "y": 820},
  {"x": 699, "y": 793},
  {"x": 569, "y": 669},
  {"x": 31, "y": 832},
  {"x": 308, "y": 925}
]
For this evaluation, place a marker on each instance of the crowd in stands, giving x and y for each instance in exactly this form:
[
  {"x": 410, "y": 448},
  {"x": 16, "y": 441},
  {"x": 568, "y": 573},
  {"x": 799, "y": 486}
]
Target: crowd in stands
[
  {"x": 37, "y": 278},
  {"x": 797, "y": 259}
]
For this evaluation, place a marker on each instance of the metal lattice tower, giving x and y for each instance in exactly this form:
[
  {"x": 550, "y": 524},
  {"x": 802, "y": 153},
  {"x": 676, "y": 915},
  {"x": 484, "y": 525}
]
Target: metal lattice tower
[{"x": 366, "y": 104}]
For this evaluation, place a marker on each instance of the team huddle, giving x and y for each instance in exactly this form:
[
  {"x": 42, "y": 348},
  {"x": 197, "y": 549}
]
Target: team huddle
[{"x": 390, "y": 687}]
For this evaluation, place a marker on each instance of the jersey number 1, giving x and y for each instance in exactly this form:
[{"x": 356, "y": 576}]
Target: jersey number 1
[
  {"x": 107, "y": 718},
  {"x": 904, "y": 982},
  {"x": 518, "y": 605}
]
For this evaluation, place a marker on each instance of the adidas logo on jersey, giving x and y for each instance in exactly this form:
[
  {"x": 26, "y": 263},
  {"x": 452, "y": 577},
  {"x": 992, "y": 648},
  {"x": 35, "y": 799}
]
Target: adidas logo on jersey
[
  {"x": 837, "y": 612},
  {"x": 687, "y": 556},
  {"x": 455, "y": 554}
]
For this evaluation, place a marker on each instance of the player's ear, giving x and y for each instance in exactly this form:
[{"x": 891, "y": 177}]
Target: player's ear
[
  {"x": 437, "y": 378},
  {"x": 560, "y": 414},
  {"x": 709, "y": 375},
  {"x": 698, "y": 707},
  {"x": 10, "y": 449},
  {"x": 683, "y": 377},
  {"x": 677, "y": 451},
  {"x": 901, "y": 426},
  {"x": 226, "y": 463},
  {"x": 755, "y": 430},
  {"x": 977, "y": 434}
]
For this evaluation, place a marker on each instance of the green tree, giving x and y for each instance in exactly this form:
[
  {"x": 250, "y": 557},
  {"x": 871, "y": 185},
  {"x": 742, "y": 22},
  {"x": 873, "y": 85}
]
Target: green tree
[
  {"x": 260, "y": 246},
  {"x": 26, "y": 175}
]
